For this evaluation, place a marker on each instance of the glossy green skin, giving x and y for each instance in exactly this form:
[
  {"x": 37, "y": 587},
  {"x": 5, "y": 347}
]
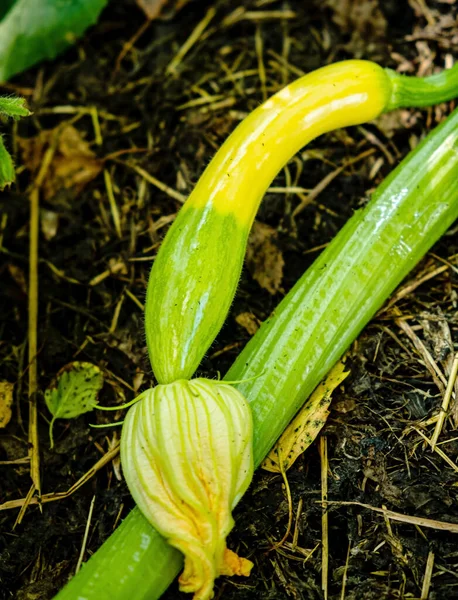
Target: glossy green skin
[
  {"x": 195, "y": 274},
  {"x": 196, "y": 271},
  {"x": 332, "y": 302},
  {"x": 184, "y": 303},
  {"x": 312, "y": 327}
]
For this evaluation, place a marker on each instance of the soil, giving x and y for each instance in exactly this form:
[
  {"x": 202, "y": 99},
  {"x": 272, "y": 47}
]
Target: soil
[{"x": 94, "y": 264}]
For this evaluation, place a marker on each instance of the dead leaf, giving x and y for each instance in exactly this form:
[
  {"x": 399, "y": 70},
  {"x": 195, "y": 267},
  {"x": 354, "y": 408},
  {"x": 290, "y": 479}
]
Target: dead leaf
[
  {"x": 248, "y": 321},
  {"x": 344, "y": 406},
  {"x": 306, "y": 425},
  {"x": 73, "y": 165},
  {"x": 6, "y": 402},
  {"x": 443, "y": 31},
  {"x": 390, "y": 123},
  {"x": 161, "y": 9},
  {"x": 438, "y": 337},
  {"x": 49, "y": 221},
  {"x": 19, "y": 277},
  {"x": 363, "y": 19},
  {"x": 264, "y": 258}
]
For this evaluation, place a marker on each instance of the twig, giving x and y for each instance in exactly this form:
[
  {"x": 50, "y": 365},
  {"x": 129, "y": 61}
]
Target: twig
[
  {"x": 395, "y": 516},
  {"x": 440, "y": 452},
  {"x": 86, "y": 534},
  {"x": 161, "y": 186},
  {"x": 127, "y": 47},
  {"x": 411, "y": 286},
  {"x": 323, "y": 184},
  {"x": 17, "y": 461},
  {"x": 427, "y": 577},
  {"x": 21, "y": 502},
  {"x": 324, "y": 516},
  {"x": 135, "y": 300},
  {"x": 290, "y": 506},
  {"x": 29, "y": 499},
  {"x": 192, "y": 39},
  {"x": 32, "y": 337},
  {"x": 118, "y": 516},
  {"x": 344, "y": 576},
  {"x": 259, "y": 46},
  {"x": 445, "y": 402},
  {"x": 96, "y": 125},
  {"x": 34, "y": 451},
  {"x": 113, "y": 205},
  {"x": 296, "y": 525},
  {"x": 430, "y": 363}
]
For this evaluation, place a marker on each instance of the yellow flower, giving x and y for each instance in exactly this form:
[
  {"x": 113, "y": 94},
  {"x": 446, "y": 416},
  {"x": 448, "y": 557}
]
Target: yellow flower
[{"x": 186, "y": 451}]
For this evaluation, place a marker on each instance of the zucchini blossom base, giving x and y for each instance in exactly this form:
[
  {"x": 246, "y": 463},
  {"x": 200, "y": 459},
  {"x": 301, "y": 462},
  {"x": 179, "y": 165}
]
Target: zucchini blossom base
[{"x": 186, "y": 451}]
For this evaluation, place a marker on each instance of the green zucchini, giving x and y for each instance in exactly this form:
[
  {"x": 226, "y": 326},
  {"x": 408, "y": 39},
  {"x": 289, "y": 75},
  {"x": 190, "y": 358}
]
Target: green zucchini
[
  {"x": 312, "y": 327},
  {"x": 195, "y": 274}
]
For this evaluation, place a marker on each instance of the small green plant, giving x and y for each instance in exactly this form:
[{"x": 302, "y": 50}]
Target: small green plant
[
  {"x": 73, "y": 392},
  {"x": 34, "y": 30},
  {"x": 14, "y": 108}
]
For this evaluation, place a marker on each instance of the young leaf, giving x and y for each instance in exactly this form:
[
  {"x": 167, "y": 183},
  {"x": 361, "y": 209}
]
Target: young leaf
[
  {"x": 34, "y": 30},
  {"x": 306, "y": 425},
  {"x": 12, "y": 106},
  {"x": 7, "y": 174},
  {"x": 5, "y": 5},
  {"x": 73, "y": 392}
]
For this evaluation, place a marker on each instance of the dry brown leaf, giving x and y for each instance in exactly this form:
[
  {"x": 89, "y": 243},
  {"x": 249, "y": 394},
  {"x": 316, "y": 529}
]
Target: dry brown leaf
[
  {"x": 6, "y": 402},
  {"x": 49, "y": 221},
  {"x": 19, "y": 277},
  {"x": 248, "y": 321},
  {"x": 438, "y": 337},
  {"x": 344, "y": 406},
  {"x": 392, "y": 122},
  {"x": 163, "y": 9},
  {"x": 264, "y": 258},
  {"x": 306, "y": 425},
  {"x": 363, "y": 19},
  {"x": 73, "y": 165},
  {"x": 443, "y": 31}
]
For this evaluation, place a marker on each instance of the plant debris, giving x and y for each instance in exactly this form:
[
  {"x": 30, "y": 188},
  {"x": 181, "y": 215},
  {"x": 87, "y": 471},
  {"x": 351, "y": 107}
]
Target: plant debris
[
  {"x": 264, "y": 258},
  {"x": 73, "y": 165},
  {"x": 6, "y": 401},
  {"x": 306, "y": 425}
]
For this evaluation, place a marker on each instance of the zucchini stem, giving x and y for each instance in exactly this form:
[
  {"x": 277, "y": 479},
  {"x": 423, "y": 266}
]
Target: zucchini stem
[{"x": 410, "y": 91}]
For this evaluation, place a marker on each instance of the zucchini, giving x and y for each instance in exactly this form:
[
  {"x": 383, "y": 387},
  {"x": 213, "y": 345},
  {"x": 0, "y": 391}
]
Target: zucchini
[
  {"x": 196, "y": 271},
  {"x": 312, "y": 327}
]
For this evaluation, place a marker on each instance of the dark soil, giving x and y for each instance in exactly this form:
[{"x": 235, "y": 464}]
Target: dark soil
[{"x": 375, "y": 455}]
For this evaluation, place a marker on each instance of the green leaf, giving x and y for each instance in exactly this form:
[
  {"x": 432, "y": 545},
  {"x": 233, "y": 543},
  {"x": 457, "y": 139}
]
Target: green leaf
[
  {"x": 12, "y": 106},
  {"x": 5, "y": 6},
  {"x": 73, "y": 392},
  {"x": 7, "y": 174},
  {"x": 34, "y": 30}
]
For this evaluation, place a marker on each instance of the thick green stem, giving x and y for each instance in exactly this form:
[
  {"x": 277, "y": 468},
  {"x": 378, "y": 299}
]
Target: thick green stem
[
  {"x": 422, "y": 91},
  {"x": 312, "y": 327}
]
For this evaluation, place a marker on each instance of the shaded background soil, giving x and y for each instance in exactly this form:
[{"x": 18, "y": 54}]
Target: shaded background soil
[{"x": 94, "y": 262}]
